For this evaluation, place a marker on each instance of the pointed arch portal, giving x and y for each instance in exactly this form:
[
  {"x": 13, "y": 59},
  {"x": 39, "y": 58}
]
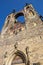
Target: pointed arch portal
[{"x": 17, "y": 58}]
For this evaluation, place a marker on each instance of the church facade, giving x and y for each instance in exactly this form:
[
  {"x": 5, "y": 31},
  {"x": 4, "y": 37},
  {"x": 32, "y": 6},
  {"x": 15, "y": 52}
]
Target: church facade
[{"x": 22, "y": 43}]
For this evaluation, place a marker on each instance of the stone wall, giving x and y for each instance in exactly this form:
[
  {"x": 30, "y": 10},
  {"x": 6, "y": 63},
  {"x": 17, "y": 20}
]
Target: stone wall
[{"x": 28, "y": 43}]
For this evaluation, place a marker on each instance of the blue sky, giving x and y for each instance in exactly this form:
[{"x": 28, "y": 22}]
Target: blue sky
[{"x": 6, "y": 7}]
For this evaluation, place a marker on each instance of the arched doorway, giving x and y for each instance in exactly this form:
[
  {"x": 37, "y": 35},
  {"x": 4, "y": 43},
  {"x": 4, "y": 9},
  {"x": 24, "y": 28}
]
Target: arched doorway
[
  {"x": 19, "y": 59},
  {"x": 16, "y": 58}
]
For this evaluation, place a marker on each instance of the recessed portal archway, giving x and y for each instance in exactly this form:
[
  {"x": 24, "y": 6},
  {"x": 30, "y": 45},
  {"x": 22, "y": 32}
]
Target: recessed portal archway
[
  {"x": 19, "y": 59},
  {"x": 16, "y": 58}
]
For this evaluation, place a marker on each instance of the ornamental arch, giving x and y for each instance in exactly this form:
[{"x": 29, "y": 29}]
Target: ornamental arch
[{"x": 16, "y": 58}]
